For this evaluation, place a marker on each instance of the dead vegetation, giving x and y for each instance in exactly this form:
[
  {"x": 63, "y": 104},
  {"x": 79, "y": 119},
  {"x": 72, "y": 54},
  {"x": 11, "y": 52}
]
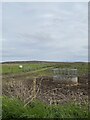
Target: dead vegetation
[{"x": 46, "y": 90}]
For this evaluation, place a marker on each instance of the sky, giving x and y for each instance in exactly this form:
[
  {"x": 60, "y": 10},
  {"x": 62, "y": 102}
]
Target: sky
[{"x": 45, "y": 31}]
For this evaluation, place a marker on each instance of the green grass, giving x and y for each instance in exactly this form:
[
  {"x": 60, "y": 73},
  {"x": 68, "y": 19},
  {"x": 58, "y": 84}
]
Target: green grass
[
  {"x": 81, "y": 67},
  {"x": 13, "y": 108},
  {"x": 42, "y": 68},
  {"x": 14, "y": 68}
]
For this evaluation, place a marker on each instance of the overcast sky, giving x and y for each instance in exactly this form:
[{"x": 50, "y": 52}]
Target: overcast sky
[{"x": 45, "y": 31}]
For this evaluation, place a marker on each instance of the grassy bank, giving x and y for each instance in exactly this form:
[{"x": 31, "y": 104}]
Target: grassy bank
[{"x": 13, "y": 109}]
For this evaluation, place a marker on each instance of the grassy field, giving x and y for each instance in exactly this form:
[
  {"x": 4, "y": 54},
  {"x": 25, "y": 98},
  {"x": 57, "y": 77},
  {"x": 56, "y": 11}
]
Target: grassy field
[
  {"x": 31, "y": 67},
  {"x": 13, "y": 108},
  {"x": 14, "y": 68}
]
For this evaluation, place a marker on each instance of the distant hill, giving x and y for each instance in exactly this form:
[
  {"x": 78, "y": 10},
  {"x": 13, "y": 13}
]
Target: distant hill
[{"x": 23, "y": 62}]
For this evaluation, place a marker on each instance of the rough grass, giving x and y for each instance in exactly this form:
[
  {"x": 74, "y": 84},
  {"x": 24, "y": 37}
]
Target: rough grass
[
  {"x": 14, "y": 68},
  {"x": 42, "y": 68},
  {"x": 13, "y": 109}
]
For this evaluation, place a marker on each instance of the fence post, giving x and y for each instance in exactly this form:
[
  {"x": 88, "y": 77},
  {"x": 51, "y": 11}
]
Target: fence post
[{"x": 34, "y": 88}]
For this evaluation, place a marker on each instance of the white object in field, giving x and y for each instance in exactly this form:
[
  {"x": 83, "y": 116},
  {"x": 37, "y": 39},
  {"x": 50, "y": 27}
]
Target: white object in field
[{"x": 20, "y": 66}]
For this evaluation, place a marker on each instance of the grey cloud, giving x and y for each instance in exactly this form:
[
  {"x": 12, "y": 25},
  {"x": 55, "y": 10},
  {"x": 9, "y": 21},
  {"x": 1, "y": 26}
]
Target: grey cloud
[{"x": 44, "y": 31}]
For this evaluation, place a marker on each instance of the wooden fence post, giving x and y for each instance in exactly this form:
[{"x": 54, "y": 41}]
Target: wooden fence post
[{"x": 34, "y": 88}]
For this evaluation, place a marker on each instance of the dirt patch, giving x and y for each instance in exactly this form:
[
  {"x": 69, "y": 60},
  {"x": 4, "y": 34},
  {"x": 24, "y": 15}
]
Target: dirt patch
[
  {"x": 46, "y": 89},
  {"x": 54, "y": 92}
]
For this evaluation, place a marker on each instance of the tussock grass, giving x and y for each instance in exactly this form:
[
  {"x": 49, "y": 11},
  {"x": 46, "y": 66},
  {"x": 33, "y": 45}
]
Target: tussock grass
[{"x": 13, "y": 109}]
